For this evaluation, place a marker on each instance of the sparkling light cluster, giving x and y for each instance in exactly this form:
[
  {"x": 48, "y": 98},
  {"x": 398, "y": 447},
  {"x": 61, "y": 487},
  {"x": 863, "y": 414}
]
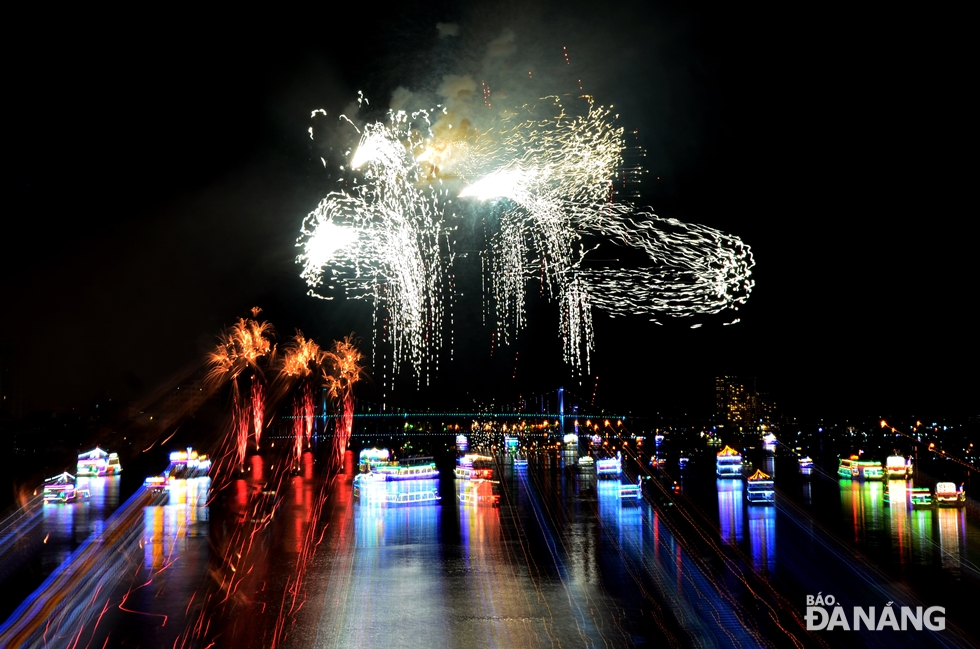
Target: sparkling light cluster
[
  {"x": 541, "y": 177},
  {"x": 385, "y": 239}
]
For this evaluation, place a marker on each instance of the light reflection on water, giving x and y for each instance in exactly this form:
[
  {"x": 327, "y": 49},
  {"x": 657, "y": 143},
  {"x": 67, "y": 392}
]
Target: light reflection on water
[
  {"x": 762, "y": 537},
  {"x": 167, "y": 527},
  {"x": 68, "y": 525},
  {"x": 910, "y": 536},
  {"x": 730, "y": 514}
]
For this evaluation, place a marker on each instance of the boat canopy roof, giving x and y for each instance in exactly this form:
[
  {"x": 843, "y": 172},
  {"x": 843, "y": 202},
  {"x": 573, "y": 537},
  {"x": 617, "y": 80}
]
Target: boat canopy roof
[
  {"x": 95, "y": 454},
  {"x": 728, "y": 451},
  {"x": 63, "y": 478},
  {"x": 759, "y": 475}
]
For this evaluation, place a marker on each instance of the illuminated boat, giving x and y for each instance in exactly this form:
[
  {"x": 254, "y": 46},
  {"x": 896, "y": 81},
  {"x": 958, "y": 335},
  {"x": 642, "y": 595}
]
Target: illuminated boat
[
  {"x": 97, "y": 462},
  {"x": 474, "y": 467},
  {"x": 728, "y": 463},
  {"x": 631, "y": 493},
  {"x": 805, "y": 462},
  {"x": 854, "y": 469},
  {"x": 769, "y": 442},
  {"x": 372, "y": 489},
  {"x": 60, "y": 489},
  {"x": 189, "y": 464},
  {"x": 682, "y": 462},
  {"x": 156, "y": 483},
  {"x": 586, "y": 461},
  {"x": 898, "y": 468},
  {"x": 920, "y": 498},
  {"x": 760, "y": 488},
  {"x": 462, "y": 443},
  {"x": 371, "y": 458},
  {"x": 365, "y": 482},
  {"x": 868, "y": 470},
  {"x": 510, "y": 444},
  {"x": 611, "y": 467},
  {"x": 520, "y": 461},
  {"x": 422, "y": 468},
  {"x": 948, "y": 495}
]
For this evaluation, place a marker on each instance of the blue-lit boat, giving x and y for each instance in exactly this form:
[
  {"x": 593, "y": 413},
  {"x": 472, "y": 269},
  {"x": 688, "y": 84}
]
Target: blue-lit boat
[
  {"x": 609, "y": 468},
  {"x": 631, "y": 493},
  {"x": 760, "y": 488},
  {"x": 728, "y": 463}
]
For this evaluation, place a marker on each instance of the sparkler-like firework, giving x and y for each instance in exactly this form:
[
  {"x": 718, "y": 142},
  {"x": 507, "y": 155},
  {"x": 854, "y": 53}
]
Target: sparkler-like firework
[{"x": 544, "y": 174}]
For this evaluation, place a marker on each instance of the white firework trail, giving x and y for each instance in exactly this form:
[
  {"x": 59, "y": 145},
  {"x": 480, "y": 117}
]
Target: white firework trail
[
  {"x": 385, "y": 240},
  {"x": 545, "y": 185}
]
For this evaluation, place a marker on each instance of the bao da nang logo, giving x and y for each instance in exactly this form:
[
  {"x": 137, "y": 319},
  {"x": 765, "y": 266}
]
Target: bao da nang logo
[{"x": 823, "y": 613}]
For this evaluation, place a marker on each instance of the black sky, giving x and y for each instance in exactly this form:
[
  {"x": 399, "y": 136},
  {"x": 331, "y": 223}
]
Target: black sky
[{"x": 161, "y": 167}]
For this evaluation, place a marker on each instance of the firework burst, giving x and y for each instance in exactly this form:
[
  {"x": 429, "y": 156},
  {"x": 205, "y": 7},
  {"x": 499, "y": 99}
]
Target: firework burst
[{"x": 542, "y": 177}]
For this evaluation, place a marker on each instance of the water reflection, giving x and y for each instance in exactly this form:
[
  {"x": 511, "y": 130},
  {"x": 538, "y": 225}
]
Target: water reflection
[
  {"x": 862, "y": 503},
  {"x": 167, "y": 527},
  {"x": 620, "y": 514},
  {"x": 762, "y": 537},
  {"x": 730, "y": 515},
  {"x": 68, "y": 525},
  {"x": 952, "y": 537}
]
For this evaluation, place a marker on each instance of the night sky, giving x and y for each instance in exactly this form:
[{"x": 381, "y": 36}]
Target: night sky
[{"x": 161, "y": 168}]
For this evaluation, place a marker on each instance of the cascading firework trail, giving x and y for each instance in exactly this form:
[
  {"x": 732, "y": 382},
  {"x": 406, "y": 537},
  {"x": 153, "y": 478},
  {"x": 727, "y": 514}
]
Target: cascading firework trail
[
  {"x": 301, "y": 362},
  {"x": 258, "y": 409},
  {"x": 242, "y": 346},
  {"x": 542, "y": 177},
  {"x": 346, "y": 370},
  {"x": 386, "y": 240},
  {"x": 241, "y": 422}
]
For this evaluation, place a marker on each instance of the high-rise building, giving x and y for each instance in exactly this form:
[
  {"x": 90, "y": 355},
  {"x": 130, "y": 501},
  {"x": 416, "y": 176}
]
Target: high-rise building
[{"x": 737, "y": 402}]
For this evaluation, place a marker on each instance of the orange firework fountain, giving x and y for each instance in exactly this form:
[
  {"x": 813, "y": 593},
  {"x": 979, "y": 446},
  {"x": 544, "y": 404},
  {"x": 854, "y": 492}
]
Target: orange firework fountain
[
  {"x": 302, "y": 358},
  {"x": 241, "y": 347},
  {"x": 345, "y": 360}
]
